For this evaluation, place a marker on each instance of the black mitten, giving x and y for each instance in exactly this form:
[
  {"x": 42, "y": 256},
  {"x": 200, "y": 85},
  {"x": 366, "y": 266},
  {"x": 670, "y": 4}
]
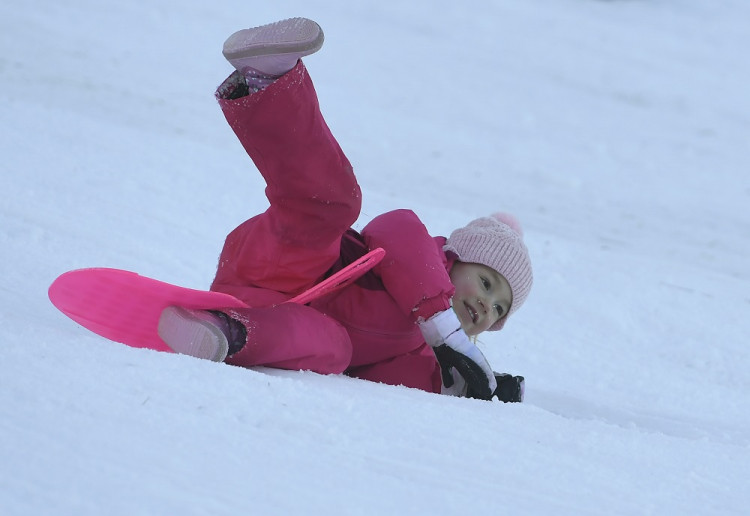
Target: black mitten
[
  {"x": 510, "y": 389},
  {"x": 475, "y": 376}
]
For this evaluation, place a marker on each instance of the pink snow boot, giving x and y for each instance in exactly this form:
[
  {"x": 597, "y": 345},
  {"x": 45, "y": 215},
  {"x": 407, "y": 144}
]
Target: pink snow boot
[
  {"x": 210, "y": 335},
  {"x": 269, "y": 51}
]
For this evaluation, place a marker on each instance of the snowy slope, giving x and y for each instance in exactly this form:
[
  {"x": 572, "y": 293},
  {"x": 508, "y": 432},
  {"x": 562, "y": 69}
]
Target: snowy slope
[{"x": 616, "y": 131}]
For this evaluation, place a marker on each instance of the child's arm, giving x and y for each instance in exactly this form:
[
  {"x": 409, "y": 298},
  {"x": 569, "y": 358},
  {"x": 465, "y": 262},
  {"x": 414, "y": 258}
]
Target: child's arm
[
  {"x": 414, "y": 268},
  {"x": 414, "y": 273},
  {"x": 454, "y": 350}
]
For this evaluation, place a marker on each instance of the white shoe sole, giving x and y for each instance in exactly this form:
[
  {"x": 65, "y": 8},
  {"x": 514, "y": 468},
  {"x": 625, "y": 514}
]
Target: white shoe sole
[
  {"x": 293, "y": 36},
  {"x": 187, "y": 333}
]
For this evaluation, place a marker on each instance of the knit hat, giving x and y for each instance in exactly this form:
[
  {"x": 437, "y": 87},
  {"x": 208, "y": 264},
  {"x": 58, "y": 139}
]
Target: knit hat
[{"x": 497, "y": 242}]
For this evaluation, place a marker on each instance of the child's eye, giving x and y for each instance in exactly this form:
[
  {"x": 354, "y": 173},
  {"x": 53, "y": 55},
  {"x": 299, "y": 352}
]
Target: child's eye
[
  {"x": 485, "y": 283},
  {"x": 499, "y": 310}
]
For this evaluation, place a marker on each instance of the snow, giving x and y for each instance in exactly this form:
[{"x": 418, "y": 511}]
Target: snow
[{"x": 616, "y": 131}]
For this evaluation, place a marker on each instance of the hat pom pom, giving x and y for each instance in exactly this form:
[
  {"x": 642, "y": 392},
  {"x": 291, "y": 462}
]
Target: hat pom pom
[{"x": 509, "y": 220}]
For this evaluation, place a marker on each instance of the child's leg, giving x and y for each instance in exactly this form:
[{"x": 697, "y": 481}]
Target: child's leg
[
  {"x": 311, "y": 187},
  {"x": 288, "y": 336},
  {"x": 291, "y": 336},
  {"x": 314, "y": 198}
]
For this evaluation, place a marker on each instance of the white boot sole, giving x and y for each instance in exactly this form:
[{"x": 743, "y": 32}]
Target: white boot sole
[
  {"x": 293, "y": 36},
  {"x": 188, "y": 334}
]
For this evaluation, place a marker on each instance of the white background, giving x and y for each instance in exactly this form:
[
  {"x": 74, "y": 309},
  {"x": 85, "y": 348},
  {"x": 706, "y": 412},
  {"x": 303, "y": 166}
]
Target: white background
[{"x": 618, "y": 133}]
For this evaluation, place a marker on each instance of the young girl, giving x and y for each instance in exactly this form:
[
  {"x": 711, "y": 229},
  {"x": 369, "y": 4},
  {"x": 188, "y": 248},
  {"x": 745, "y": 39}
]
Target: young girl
[{"x": 409, "y": 320}]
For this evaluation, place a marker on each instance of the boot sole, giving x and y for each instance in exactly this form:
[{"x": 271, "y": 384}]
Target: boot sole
[
  {"x": 295, "y": 35},
  {"x": 187, "y": 334}
]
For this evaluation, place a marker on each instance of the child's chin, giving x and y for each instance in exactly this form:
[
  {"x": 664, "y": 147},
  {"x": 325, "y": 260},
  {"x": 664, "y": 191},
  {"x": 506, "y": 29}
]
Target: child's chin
[
  {"x": 468, "y": 327},
  {"x": 472, "y": 331}
]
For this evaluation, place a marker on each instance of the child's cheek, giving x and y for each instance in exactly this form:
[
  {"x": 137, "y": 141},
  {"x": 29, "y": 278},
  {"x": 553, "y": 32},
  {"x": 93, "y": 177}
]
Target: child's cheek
[{"x": 470, "y": 287}]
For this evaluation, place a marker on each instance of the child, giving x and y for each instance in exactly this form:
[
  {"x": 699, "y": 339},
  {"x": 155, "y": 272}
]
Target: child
[{"x": 409, "y": 320}]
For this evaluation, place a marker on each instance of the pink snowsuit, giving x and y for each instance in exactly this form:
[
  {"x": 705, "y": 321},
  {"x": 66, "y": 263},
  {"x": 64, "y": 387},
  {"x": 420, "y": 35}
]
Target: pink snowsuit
[{"x": 368, "y": 329}]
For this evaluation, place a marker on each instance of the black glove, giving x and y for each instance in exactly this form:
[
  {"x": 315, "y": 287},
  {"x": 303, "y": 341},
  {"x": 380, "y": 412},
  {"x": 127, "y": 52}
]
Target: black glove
[
  {"x": 510, "y": 389},
  {"x": 476, "y": 378}
]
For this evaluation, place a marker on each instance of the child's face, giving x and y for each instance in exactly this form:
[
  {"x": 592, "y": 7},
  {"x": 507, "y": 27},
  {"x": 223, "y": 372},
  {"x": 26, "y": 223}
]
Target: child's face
[{"x": 482, "y": 296}]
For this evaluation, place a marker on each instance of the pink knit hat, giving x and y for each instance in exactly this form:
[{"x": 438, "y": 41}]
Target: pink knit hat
[{"x": 497, "y": 242}]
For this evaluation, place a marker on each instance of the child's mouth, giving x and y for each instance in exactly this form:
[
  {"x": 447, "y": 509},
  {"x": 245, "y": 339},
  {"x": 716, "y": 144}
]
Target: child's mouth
[{"x": 472, "y": 313}]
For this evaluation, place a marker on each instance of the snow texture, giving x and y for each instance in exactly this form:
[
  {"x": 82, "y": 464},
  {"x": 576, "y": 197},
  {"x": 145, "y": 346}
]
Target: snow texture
[{"x": 617, "y": 132}]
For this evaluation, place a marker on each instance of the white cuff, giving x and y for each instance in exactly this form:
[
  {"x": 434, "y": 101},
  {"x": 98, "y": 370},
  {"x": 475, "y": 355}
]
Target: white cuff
[{"x": 439, "y": 327}]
